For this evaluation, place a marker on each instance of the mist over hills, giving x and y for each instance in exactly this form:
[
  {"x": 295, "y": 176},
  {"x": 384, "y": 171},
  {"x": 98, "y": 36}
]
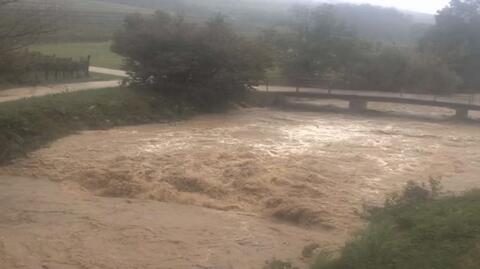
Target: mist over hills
[
  {"x": 94, "y": 20},
  {"x": 370, "y": 22}
]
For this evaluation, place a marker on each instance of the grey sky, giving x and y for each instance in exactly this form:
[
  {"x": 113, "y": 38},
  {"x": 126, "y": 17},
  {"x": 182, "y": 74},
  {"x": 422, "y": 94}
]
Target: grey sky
[{"x": 427, "y": 6}]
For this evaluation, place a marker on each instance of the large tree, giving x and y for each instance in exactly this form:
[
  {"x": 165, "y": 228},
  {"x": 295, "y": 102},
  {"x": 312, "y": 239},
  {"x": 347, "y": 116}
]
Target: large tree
[
  {"x": 456, "y": 39},
  {"x": 316, "y": 45},
  {"x": 320, "y": 50},
  {"x": 207, "y": 65}
]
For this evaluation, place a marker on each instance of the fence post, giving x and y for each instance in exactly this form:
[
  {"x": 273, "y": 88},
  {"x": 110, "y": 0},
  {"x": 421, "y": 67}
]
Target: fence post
[{"x": 88, "y": 66}]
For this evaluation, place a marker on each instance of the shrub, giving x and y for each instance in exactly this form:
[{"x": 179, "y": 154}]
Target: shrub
[
  {"x": 206, "y": 65},
  {"x": 417, "y": 229}
]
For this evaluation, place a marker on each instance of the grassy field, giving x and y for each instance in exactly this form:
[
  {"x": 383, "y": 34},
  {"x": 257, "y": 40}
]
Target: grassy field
[
  {"x": 90, "y": 5},
  {"x": 99, "y": 51},
  {"x": 28, "y": 124}
]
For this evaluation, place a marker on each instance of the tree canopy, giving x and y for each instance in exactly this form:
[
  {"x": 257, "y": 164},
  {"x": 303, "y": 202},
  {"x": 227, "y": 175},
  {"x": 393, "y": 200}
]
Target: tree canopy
[
  {"x": 318, "y": 49},
  {"x": 207, "y": 65},
  {"x": 456, "y": 39}
]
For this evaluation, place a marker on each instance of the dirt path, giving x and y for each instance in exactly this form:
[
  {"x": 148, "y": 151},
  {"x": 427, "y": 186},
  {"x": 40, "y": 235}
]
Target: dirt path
[
  {"x": 46, "y": 225},
  {"x": 27, "y": 92},
  {"x": 108, "y": 71},
  {"x": 33, "y": 91}
]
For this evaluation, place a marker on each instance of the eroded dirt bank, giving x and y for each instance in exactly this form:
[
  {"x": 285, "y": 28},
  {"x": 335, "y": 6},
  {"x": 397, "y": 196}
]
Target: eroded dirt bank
[{"x": 303, "y": 168}]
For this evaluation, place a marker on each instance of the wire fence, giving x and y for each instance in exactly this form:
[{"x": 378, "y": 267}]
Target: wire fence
[{"x": 36, "y": 68}]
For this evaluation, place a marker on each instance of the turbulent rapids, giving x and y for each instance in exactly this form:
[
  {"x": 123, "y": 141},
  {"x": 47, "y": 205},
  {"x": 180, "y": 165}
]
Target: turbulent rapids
[{"x": 305, "y": 168}]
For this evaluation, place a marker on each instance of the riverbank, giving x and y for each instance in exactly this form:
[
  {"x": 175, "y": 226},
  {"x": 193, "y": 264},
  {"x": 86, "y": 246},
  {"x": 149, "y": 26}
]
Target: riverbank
[{"x": 31, "y": 123}]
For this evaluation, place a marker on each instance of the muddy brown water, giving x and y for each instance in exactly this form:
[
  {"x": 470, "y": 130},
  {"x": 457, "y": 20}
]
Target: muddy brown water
[{"x": 310, "y": 170}]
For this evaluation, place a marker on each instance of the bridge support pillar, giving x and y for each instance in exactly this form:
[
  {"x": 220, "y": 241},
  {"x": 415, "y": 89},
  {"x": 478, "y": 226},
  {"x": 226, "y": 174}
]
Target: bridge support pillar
[
  {"x": 357, "y": 105},
  {"x": 461, "y": 113}
]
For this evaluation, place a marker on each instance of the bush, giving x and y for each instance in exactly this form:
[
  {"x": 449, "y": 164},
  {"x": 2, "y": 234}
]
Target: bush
[
  {"x": 206, "y": 65},
  {"x": 416, "y": 230}
]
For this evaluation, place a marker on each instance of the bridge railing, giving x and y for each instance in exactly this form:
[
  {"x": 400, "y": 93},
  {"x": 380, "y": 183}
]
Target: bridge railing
[{"x": 325, "y": 87}]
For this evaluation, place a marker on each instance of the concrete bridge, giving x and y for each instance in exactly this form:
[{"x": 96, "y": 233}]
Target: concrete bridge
[{"x": 358, "y": 100}]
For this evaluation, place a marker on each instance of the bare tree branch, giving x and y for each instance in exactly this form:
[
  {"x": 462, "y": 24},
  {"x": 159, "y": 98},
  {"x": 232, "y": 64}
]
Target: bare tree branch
[{"x": 22, "y": 24}]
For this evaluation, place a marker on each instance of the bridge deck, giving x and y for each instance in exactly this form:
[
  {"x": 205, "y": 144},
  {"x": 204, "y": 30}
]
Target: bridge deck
[{"x": 457, "y": 101}]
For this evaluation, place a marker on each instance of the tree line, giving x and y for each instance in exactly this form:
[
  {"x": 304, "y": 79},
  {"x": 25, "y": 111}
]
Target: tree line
[
  {"x": 210, "y": 64},
  {"x": 250, "y": 16},
  {"x": 319, "y": 49}
]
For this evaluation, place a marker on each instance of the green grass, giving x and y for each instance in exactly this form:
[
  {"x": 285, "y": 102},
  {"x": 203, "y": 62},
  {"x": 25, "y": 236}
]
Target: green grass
[
  {"x": 91, "y": 6},
  {"x": 29, "y": 124},
  {"x": 416, "y": 231},
  {"x": 99, "y": 51},
  {"x": 99, "y": 6}
]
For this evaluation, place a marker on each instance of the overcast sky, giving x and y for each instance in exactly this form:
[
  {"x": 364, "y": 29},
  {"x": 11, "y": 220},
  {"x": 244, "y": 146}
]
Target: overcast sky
[{"x": 427, "y": 6}]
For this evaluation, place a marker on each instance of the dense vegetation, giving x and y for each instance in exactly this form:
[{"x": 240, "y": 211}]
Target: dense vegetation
[
  {"x": 31, "y": 123},
  {"x": 416, "y": 230},
  {"x": 318, "y": 49},
  {"x": 456, "y": 39},
  {"x": 206, "y": 66},
  {"x": 209, "y": 65},
  {"x": 419, "y": 228}
]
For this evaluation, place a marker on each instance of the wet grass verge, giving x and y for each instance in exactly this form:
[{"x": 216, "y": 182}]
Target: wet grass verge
[{"x": 28, "y": 124}]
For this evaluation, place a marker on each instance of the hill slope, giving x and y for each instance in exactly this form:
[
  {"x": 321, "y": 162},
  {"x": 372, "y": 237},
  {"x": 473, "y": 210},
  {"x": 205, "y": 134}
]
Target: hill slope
[
  {"x": 371, "y": 22},
  {"x": 96, "y": 20}
]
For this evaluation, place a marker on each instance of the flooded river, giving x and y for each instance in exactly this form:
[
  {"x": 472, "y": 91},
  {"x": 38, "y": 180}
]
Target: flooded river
[{"x": 303, "y": 168}]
